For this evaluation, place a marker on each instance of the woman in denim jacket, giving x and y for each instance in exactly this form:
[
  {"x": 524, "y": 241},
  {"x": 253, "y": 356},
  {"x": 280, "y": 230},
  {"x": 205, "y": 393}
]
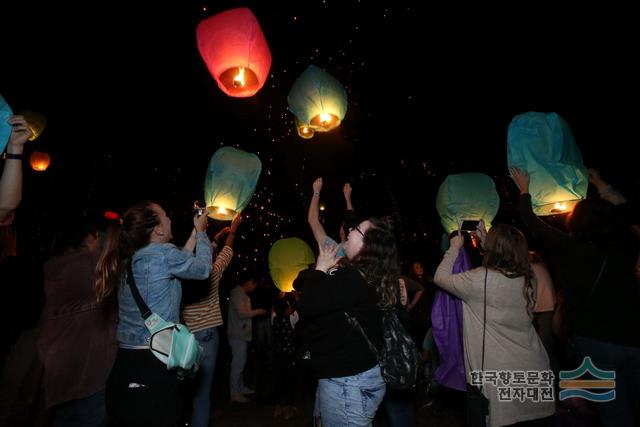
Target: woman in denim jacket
[{"x": 140, "y": 389}]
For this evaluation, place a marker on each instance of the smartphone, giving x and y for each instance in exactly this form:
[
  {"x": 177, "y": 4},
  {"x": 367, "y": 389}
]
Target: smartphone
[{"x": 469, "y": 225}]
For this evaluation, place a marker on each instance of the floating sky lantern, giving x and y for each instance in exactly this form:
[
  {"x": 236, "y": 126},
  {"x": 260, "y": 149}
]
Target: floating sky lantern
[
  {"x": 36, "y": 122},
  {"x": 467, "y": 196},
  {"x": 5, "y": 127},
  {"x": 231, "y": 180},
  {"x": 287, "y": 258},
  {"x": 235, "y": 51},
  {"x": 39, "y": 161},
  {"x": 544, "y": 146},
  {"x": 304, "y": 130},
  {"x": 318, "y": 100}
]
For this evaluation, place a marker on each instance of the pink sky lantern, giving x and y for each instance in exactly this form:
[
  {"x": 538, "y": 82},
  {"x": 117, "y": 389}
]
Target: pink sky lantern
[{"x": 233, "y": 46}]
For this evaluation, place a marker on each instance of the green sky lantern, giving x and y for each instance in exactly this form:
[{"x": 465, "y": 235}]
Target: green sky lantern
[
  {"x": 318, "y": 99},
  {"x": 467, "y": 196},
  {"x": 287, "y": 258},
  {"x": 231, "y": 180},
  {"x": 544, "y": 146},
  {"x": 304, "y": 130}
]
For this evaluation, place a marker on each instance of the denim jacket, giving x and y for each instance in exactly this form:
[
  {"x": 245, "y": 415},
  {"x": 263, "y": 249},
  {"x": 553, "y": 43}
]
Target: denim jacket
[{"x": 157, "y": 270}]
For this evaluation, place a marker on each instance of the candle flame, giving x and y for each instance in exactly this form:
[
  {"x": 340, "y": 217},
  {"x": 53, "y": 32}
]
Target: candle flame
[
  {"x": 560, "y": 206},
  {"x": 325, "y": 119},
  {"x": 238, "y": 80}
]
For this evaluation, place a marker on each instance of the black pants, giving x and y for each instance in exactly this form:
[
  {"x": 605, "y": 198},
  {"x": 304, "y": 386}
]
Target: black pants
[{"x": 142, "y": 392}]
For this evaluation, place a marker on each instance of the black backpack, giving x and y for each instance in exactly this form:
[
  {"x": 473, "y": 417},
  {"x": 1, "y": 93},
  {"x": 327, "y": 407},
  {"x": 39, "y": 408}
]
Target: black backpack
[{"x": 399, "y": 357}]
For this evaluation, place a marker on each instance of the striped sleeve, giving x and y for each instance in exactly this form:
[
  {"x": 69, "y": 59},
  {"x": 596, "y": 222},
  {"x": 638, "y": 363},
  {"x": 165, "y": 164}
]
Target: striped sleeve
[{"x": 206, "y": 313}]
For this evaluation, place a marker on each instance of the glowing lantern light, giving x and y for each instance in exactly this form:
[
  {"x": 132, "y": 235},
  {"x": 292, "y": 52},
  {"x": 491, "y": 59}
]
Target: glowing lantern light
[
  {"x": 544, "y": 146},
  {"x": 304, "y": 130},
  {"x": 5, "y": 128},
  {"x": 318, "y": 99},
  {"x": 231, "y": 180},
  {"x": 39, "y": 161},
  {"x": 322, "y": 206},
  {"x": 111, "y": 215},
  {"x": 287, "y": 258},
  {"x": 36, "y": 122},
  {"x": 235, "y": 51},
  {"x": 467, "y": 196}
]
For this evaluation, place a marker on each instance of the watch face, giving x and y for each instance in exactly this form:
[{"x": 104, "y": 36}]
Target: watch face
[{"x": 5, "y": 127}]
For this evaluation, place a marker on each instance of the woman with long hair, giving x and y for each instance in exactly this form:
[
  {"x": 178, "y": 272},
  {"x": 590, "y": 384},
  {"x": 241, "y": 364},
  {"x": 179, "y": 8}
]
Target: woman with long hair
[
  {"x": 350, "y": 384},
  {"x": 140, "y": 389},
  {"x": 502, "y": 292}
]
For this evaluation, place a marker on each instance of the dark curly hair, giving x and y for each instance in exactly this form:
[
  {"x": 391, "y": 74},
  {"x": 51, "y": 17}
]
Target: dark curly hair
[{"x": 378, "y": 260}]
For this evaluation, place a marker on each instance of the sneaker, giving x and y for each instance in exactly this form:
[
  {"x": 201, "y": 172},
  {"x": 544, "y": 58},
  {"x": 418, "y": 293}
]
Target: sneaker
[
  {"x": 239, "y": 399},
  {"x": 247, "y": 390}
]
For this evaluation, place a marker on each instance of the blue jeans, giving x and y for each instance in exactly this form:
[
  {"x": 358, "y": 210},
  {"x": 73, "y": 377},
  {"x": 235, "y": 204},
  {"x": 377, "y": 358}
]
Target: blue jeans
[
  {"x": 626, "y": 362},
  {"x": 350, "y": 401},
  {"x": 208, "y": 339}
]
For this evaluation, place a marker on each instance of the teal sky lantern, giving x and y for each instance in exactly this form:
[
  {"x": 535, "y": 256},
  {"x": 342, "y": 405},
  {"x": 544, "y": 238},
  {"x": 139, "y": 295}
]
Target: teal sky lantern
[
  {"x": 318, "y": 100},
  {"x": 287, "y": 258},
  {"x": 544, "y": 146},
  {"x": 231, "y": 180},
  {"x": 467, "y": 196},
  {"x": 5, "y": 128}
]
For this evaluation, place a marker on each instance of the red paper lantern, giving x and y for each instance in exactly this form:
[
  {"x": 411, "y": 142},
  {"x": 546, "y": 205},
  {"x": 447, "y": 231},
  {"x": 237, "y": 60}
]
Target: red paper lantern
[
  {"x": 233, "y": 46},
  {"x": 39, "y": 161},
  {"x": 111, "y": 215}
]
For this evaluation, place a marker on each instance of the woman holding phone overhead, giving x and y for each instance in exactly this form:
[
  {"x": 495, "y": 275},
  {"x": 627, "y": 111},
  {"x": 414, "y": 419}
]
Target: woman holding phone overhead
[{"x": 498, "y": 332}]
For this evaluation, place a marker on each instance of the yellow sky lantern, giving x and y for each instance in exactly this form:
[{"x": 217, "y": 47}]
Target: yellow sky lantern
[
  {"x": 287, "y": 258},
  {"x": 36, "y": 122}
]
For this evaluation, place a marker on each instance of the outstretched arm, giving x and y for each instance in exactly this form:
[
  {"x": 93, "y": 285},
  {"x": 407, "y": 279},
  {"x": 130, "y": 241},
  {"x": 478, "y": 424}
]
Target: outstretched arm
[
  {"x": 314, "y": 213},
  {"x": 605, "y": 190},
  {"x": 347, "y": 196}
]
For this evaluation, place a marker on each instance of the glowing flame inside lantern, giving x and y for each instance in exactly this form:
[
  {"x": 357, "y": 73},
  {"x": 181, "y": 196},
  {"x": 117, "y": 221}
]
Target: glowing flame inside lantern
[
  {"x": 39, "y": 161},
  {"x": 221, "y": 210},
  {"x": 560, "y": 207},
  {"x": 325, "y": 119},
  {"x": 305, "y": 130},
  {"x": 239, "y": 80}
]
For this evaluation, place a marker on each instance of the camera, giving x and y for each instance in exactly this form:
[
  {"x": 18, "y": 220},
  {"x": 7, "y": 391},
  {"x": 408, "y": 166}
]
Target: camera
[
  {"x": 469, "y": 225},
  {"x": 197, "y": 210}
]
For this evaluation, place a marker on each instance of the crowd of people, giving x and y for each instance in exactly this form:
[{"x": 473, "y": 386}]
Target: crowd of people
[{"x": 523, "y": 311}]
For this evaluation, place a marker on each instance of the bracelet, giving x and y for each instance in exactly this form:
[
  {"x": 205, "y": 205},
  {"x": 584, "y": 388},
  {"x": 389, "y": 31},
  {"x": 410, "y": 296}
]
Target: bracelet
[
  {"x": 316, "y": 193},
  {"x": 12, "y": 156}
]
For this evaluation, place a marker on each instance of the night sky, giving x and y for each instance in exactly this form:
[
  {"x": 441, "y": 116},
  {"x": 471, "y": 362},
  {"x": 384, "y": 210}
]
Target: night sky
[{"x": 133, "y": 112}]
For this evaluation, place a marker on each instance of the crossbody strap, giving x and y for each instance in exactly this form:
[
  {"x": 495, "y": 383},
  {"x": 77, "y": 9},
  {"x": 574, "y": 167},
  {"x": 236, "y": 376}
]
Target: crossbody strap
[
  {"x": 142, "y": 306},
  {"x": 484, "y": 321},
  {"x": 597, "y": 281},
  {"x": 356, "y": 325}
]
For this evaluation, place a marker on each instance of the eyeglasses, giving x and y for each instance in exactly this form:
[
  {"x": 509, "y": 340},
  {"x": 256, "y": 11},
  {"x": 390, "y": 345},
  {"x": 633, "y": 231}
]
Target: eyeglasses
[{"x": 357, "y": 228}]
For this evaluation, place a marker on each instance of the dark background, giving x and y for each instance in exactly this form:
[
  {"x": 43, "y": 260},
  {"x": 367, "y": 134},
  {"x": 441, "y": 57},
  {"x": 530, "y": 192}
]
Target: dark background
[{"x": 133, "y": 112}]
